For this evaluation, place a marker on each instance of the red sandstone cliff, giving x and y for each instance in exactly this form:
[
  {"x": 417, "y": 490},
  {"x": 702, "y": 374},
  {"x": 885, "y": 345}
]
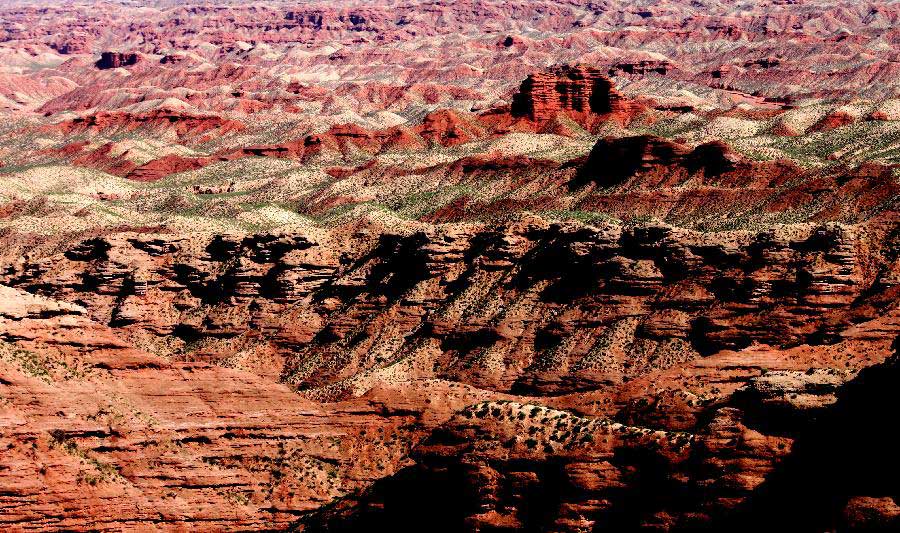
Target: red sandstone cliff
[{"x": 577, "y": 91}]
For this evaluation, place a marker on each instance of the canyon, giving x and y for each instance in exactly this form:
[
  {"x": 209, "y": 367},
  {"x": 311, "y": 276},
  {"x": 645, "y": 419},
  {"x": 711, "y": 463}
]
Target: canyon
[{"x": 451, "y": 266}]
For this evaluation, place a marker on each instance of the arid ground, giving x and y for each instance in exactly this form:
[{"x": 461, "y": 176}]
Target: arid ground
[{"x": 447, "y": 266}]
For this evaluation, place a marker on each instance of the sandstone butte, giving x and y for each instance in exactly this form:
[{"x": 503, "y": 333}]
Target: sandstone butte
[
  {"x": 578, "y": 91},
  {"x": 487, "y": 266}
]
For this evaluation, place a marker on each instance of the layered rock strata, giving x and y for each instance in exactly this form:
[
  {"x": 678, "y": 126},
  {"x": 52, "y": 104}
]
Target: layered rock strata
[{"x": 576, "y": 90}]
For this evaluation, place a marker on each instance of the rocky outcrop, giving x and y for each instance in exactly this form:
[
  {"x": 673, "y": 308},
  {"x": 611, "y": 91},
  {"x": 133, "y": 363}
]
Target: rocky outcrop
[
  {"x": 652, "y": 162},
  {"x": 526, "y": 467},
  {"x": 100, "y": 435},
  {"x": 117, "y": 59},
  {"x": 464, "y": 321},
  {"x": 169, "y": 164},
  {"x": 810, "y": 490},
  {"x": 520, "y": 467},
  {"x": 578, "y": 90},
  {"x": 642, "y": 67},
  {"x": 187, "y": 126},
  {"x": 619, "y": 159},
  {"x": 172, "y": 59},
  {"x": 524, "y": 376},
  {"x": 763, "y": 63},
  {"x": 562, "y": 308}
]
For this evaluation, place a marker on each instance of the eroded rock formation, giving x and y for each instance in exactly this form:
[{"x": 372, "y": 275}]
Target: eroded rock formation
[
  {"x": 745, "y": 464},
  {"x": 117, "y": 59},
  {"x": 577, "y": 90},
  {"x": 608, "y": 363},
  {"x": 321, "y": 267},
  {"x": 99, "y": 434},
  {"x": 561, "y": 308}
]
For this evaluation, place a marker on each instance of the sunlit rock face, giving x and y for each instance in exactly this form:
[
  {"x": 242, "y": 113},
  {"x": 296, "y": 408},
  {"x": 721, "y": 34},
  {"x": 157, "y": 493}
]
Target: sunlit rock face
[{"x": 409, "y": 265}]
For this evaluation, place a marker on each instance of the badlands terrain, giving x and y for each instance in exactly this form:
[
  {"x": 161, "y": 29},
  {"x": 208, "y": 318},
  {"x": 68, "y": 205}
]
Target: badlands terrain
[{"x": 433, "y": 265}]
